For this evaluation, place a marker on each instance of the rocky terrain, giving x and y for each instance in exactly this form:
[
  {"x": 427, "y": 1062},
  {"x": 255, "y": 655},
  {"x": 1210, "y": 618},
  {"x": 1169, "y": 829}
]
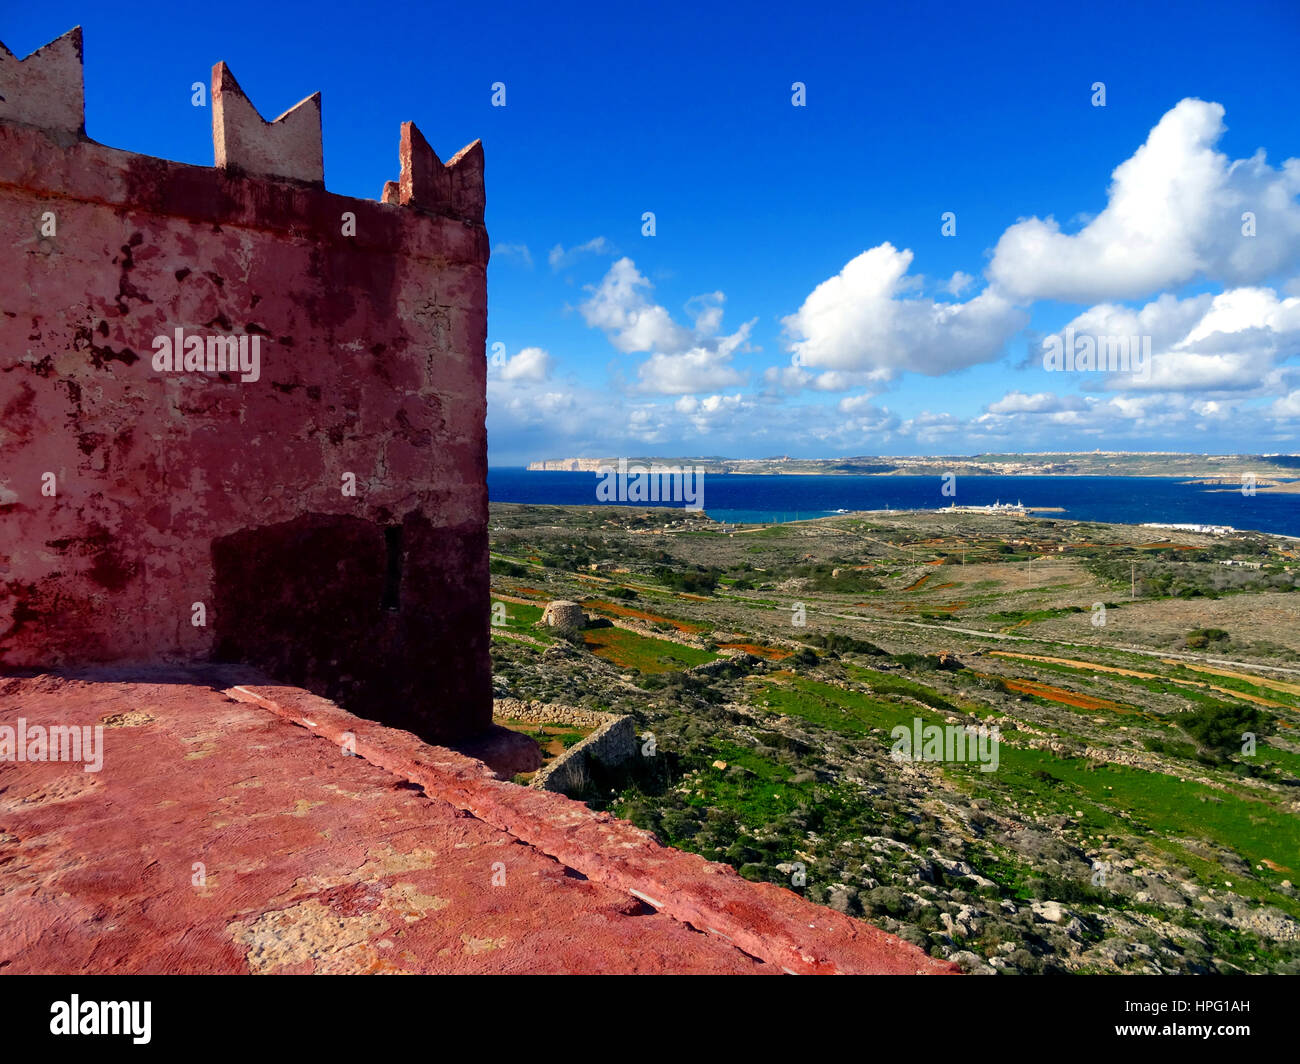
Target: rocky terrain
[{"x": 1143, "y": 814}]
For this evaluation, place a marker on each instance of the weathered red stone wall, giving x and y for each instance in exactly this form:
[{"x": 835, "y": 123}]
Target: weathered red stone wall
[{"x": 181, "y": 488}]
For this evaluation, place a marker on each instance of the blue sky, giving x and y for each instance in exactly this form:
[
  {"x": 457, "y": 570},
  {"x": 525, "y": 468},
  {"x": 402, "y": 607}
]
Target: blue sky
[{"x": 798, "y": 296}]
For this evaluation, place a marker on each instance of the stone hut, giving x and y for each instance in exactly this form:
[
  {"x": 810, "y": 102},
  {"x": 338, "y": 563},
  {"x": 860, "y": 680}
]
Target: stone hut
[{"x": 565, "y": 615}]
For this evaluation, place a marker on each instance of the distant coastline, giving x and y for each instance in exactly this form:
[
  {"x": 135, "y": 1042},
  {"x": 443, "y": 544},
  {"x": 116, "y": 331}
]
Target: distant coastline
[{"x": 1272, "y": 473}]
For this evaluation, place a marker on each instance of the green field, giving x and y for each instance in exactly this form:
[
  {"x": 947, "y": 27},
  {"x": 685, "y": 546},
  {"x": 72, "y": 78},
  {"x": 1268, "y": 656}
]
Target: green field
[{"x": 629, "y": 650}]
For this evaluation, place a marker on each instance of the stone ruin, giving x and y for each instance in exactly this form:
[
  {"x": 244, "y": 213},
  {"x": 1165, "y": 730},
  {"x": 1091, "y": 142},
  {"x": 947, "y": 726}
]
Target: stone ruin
[
  {"x": 564, "y": 615},
  {"x": 243, "y": 417}
]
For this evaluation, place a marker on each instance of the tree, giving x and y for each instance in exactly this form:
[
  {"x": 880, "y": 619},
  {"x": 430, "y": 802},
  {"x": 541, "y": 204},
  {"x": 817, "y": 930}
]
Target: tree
[{"x": 1218, "y": 727}]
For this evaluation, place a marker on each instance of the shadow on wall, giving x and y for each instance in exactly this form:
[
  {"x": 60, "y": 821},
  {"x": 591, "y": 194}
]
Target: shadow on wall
[{"x": 375, "y": 617}]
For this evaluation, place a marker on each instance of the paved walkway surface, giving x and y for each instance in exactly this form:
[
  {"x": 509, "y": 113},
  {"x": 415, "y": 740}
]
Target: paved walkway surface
[{"x": 228, "y": 831}]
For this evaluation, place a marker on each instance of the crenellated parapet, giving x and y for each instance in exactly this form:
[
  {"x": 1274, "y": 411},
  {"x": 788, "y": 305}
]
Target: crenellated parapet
[
  {"x": 289, "y": 146},
  {"x": 455, "y": 188},
  {"x": 47, "y": 91},
  {"x": 244, "y": 417}
]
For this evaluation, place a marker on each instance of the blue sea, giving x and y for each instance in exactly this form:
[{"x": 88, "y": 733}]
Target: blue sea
[{"x": 757, "y": 499}]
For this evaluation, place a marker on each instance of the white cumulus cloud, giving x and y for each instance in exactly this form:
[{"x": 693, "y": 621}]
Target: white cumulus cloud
[
  {"x": 1232, "y": 341},
  {"x": 863, "y": 320},
  {"x": 1174, "y": 213},
  {"x": 683, "y": 361},
  {"x": 530, "y": 364},
  {"x": 1038, "y": 403}
]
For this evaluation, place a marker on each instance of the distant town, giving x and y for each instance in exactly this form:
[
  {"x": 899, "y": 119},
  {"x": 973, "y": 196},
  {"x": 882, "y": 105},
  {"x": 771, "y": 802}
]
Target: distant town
[{"x": 1218, "y": 467}]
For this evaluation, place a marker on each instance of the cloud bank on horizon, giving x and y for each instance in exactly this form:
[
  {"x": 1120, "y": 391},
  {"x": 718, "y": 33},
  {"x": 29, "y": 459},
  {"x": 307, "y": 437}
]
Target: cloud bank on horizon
[{"x": 1196, "y": 253}]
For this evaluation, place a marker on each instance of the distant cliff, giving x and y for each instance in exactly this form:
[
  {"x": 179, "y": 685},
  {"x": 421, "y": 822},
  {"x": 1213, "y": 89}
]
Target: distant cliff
[
  {"x": 572, "y": 465},
  {"x": 592, "y": 465},
  {"x": 1089, "y": 463}
]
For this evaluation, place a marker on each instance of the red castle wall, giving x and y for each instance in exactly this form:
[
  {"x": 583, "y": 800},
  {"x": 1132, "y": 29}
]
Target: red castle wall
[{"x": 176, "y": 488}]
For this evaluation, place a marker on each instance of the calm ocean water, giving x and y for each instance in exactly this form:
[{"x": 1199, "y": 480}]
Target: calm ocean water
[{"x": 1127, "y": 500}]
